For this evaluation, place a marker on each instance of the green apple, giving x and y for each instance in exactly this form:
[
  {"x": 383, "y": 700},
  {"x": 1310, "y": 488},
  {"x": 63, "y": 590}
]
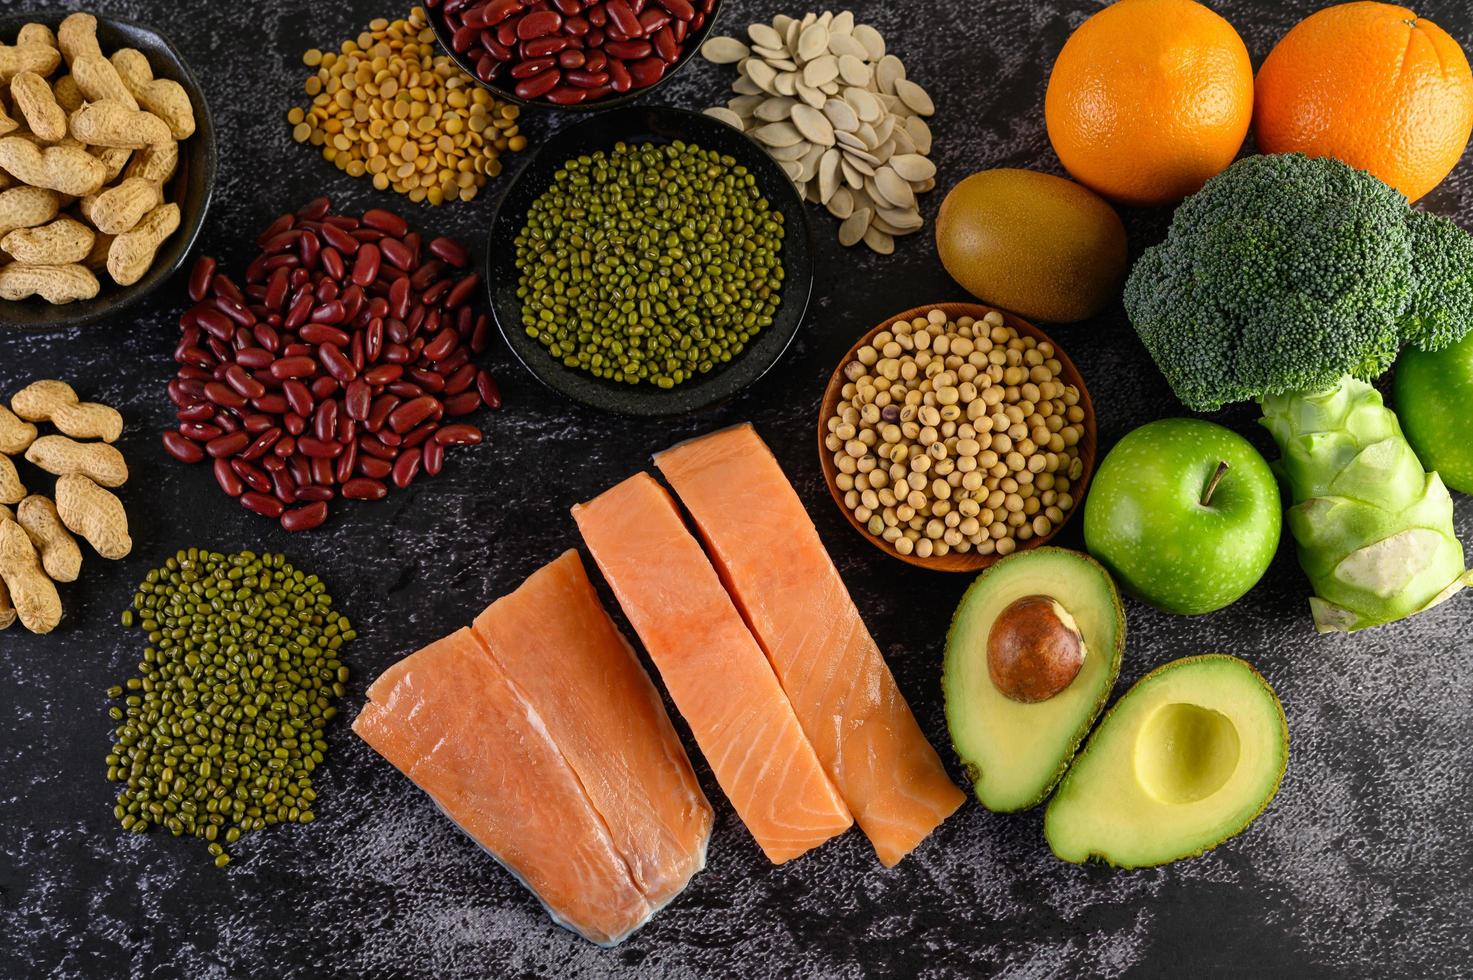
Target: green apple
[
  {"x": 1434, "y": 398},
  {"x": 1185, "y": 514}
]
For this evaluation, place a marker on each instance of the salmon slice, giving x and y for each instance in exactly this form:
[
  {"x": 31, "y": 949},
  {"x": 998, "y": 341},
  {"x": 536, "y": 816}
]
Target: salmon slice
[
  {"x": 718, "y": 676},
  {"x": 770, "y": 557},
  {"x": 449, "y": 719},
  {"x": 556, "y": 643}
]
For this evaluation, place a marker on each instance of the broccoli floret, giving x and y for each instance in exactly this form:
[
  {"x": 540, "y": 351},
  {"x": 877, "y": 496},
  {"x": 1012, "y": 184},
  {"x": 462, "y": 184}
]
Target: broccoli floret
[
  {"x": 1284, "y": 273},
  {"x": 1442, "y": 295}
]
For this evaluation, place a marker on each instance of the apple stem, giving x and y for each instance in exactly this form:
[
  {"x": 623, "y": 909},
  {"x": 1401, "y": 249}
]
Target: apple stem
[{"x": 1222, "y": 469}]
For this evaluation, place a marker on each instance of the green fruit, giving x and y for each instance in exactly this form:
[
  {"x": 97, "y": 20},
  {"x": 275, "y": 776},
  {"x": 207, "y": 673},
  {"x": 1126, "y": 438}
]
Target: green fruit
[
  {"x": 1433, "y": 393},
  {"x": 1167, "y": 532},
  {"x": 1038, "y": 245},
  {"x": 1014, "y": 752},
  {"x": 1186, "y": 759}
]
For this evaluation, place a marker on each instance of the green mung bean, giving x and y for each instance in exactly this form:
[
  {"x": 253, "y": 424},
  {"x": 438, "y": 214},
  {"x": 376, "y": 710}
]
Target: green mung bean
[
  {"x": 221, "y": 730},
  {"x": 650, "y": 263}
]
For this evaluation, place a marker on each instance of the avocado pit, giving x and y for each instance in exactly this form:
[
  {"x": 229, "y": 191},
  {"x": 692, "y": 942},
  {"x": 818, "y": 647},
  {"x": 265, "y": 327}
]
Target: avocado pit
[{"x": 1034, "y": 649}]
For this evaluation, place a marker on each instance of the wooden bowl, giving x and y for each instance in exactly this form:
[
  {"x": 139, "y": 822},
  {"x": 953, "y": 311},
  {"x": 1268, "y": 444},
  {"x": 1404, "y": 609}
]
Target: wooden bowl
[{"x": 957, "y": 561}]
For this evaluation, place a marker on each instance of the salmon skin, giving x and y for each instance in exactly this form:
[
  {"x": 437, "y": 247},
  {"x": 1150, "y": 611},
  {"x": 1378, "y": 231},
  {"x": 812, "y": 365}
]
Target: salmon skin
[
  {"x": 769, "y": 555},
  {"x": 714, "y": 669},
  {"x": 556, "y": 643},
  {"x": 539, "y": 734}
]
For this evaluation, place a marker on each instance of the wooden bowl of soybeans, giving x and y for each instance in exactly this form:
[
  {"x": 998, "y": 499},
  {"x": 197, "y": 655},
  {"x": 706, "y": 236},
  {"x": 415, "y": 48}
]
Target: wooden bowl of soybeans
[{"x": 955, "y": 434}]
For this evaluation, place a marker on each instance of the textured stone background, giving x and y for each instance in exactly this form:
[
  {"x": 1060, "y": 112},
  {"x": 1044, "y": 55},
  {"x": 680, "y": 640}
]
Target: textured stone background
[{"x": 1360, "y": 868}]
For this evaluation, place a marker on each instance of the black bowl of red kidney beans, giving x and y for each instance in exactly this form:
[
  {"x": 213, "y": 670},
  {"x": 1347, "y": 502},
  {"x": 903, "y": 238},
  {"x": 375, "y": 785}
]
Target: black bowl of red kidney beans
[{"x": 570, "y": 54}]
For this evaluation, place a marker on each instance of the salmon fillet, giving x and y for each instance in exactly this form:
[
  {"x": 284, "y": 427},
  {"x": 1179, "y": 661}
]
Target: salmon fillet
[
  {"x": 713, "y": 668},
  {"x": 449, "y": 719},
  {"x": 774, "y": 564},
  {"x": 556, "y": 643}
]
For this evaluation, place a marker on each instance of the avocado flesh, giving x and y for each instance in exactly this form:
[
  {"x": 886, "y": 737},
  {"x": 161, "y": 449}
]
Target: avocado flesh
[
  {"x": 1186, "y": 759},
  {"x": 1014, "y": 753}
]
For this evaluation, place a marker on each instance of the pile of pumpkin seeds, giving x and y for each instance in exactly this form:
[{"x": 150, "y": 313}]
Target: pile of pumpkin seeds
[
  {"x": 840, "y": 116},
  {"x": 220, "y": 731}
]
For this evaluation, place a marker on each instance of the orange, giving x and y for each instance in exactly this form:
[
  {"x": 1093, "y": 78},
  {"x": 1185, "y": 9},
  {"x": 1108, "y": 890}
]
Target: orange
[
  {"x": 1374, "y": 85},
  {"x": 1148, "y": 99}
]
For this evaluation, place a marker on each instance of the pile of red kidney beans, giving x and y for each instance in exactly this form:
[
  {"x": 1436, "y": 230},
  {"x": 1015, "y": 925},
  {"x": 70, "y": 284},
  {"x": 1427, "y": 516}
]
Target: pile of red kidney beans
[
  {"x": 568, "y": 52},
  {"x": 337, "y": 371}
]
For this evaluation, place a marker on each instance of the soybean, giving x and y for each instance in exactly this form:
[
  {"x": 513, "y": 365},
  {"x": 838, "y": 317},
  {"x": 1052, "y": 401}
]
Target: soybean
[{"x": 222, "y": 727}]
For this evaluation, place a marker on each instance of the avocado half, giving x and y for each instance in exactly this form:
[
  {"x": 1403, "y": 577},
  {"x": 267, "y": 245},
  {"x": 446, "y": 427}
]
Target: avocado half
[
  {"x": 1013, "y": 752},
  {"x": 1186, "y": 759}
]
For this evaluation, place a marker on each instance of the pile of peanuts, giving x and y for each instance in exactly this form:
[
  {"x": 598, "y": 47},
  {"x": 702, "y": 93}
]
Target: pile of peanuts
[
  {"x": 105, "y": 135},
  {"x": 956, "y": 436},
  {"x": 392, "y": 108},
  {"x": 336, "y": 369},
  {"x": 37, "y": 549}
]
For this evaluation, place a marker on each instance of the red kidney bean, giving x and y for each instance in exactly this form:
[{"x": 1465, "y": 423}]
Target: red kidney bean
[
  {"x": 420, "y": 435},
  {"x": 225, "y": 475},
  {"x": 532, "y": 66},
  {"x": 481, "y": 335},
  {"x": 459, "y": 434},
  {"x": 378, "y": 414},
  {"x": 300, "y": 471},
  {"x": 538, "y": 85},
  {"x": 223, "y": 395},
  {"x": 304, "y": 518},
  {"x": 282, "y": 485},
  {"x": 251, "y": 475},
  {"x": 262, "y": 444},
  {"x": 325, "y": 422},
  {"x": 294, "y": 424},
  {"x": 386, "y": 221},
  {"x": 460, "y": 379},
  {"x": 318, "y": 448},
  {"x": 181, "y": 448},
  {"x": 339, "y": 239},
  {"x": 357, "y": 399},
  {"x": 646, "y": 71},
  {"x": 228, "y": 444},
  {"x": 364, "y": 488},
  {"x": 201, "y": 412},
  {"x": 260, "y": 503},
  {"x": 284, "y": 447},
  {"x": 256, "y": 422},
  {"x": 571, "y": 58},
  {"x": 406, "y": 468},
  {"x": 315, "y": 494},
  {"x": 298, "y": 397},
  {"x": 413, "y": 412},
  {"x": 462, "y": 404},
  {"x": 488, "y": 390},
  {"x": 272, "y": 403},
  {"x": 245, "y": 385},
  {"x": 293, "y": 367},
  {"x": 323, "y": 387},
  {"x": 332, "y": 261},
  {"x": 336, "y": 363},
  {"x": 397, "y": 254},
  {"x": 199, "y": 277},
  {"x": 348, "y": 461},
  {"x": 628, "y": 50},
  {"x": 321, "y": 467},
  {"x": 321, "y": 333},
  {"x": 226, "y": 422},
  {"x": 376, "y": 448},
  {"x": 366, "y": 265},
  {"x": 374, "y": 468},
  {"x": 462, "y": 291},
  {"x": 433, "y": 457}
]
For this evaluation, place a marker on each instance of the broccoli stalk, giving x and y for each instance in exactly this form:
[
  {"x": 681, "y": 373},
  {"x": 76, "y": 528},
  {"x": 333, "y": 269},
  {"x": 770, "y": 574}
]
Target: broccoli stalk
[
  {"x": 1293, "y": 282},
  {"x": 1374, "y": 530}
]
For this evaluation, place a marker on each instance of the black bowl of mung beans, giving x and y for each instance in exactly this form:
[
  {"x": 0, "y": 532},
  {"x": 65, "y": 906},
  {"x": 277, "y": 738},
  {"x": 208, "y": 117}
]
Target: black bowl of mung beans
[{"x": 650, "y": 261}]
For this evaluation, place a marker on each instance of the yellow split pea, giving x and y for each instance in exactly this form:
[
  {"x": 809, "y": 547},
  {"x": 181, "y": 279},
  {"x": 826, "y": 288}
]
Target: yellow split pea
[
  {"x": 390, "y": 107},
  {"x": 956, "y": 436}
]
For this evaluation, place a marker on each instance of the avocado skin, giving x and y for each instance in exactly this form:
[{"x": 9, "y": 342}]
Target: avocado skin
[
  {"x": 973, "y": 772},
  {"x": 1203, "y": 849}
]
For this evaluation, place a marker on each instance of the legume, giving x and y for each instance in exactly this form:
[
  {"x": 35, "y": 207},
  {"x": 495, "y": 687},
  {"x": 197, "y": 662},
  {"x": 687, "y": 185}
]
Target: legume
[
  {"x": 956, "y": 436},
  {"x": 393, "y": 109},
  {"x": 649, "y": 263},
  {"x": 290, "y": 385},
  {"x": 569, "y": 52},
  {"x": 220, "y": 732}
]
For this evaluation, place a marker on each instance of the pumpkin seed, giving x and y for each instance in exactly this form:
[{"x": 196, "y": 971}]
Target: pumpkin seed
[
  {"x": 778, "y": 134},
  {"x": 920, "y": 132},
  {"x": 775, "y": 109},
  {"x": 727, "y": 116},
  {"x": 824, "y": 68},
  {"x": 841, "y": 115},
  {"x": 893, "y": 188},
  {"x": 828, "y": 174},
  {"x": 871, "y": 39},
  {"x": 762, "y": 75},
  {"x": 765, "y": 36},
  {"x": 879, "y": 241},
  {"x": 853, "y": 70},
  {"x": 813, "y": 42},
  {"x": 913, "y": 167},
  {"x": 722, "y": 50},
  {"x": 842, "y": 24},
  {"x": 854, "y": 227},
  {"x": 786, "y": 84},
  {"x": 841, "y": 205},
  {"x": 842, "y": 44},
  {"x": 915, "y": 97},
  {"x": 888, "y": 72},
  {"x": 866, "y": 106},
  {"x": 813, "y": 125}
]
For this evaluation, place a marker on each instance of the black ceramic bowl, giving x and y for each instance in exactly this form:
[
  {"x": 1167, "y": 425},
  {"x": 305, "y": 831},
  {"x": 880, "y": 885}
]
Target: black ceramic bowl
[
  {"x": 191, "y": 187},
  {"x": 657, "y": 124},
  {"x": 692, "y": 45}
]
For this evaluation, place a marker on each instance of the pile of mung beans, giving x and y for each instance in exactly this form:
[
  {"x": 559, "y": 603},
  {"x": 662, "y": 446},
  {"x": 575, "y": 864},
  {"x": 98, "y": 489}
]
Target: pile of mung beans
[
  {"x": 956, "y": 436},
  {"x": 650, "y": 263},
  {"x": 221, "y": 729}
]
